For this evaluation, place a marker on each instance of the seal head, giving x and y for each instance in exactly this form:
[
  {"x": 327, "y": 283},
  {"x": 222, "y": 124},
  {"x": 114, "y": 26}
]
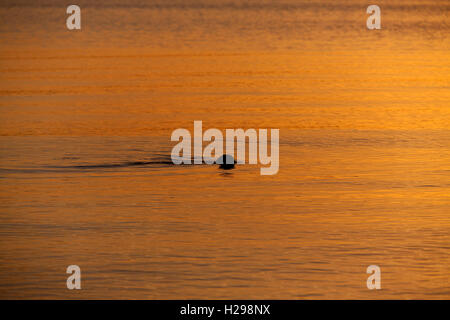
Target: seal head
[{"x": 226, "y": 162}]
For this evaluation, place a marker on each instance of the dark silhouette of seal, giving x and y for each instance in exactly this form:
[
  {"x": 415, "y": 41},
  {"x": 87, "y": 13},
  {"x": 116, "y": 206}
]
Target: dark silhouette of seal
[{"x": 226, "y": 162}]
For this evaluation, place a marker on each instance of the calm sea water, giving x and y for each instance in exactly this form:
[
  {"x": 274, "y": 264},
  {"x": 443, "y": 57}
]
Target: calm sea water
[{"x": 85, "y": 173}]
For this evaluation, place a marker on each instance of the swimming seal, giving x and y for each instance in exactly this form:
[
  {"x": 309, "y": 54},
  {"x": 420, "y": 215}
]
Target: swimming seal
[{"x": 226, "y": 162}]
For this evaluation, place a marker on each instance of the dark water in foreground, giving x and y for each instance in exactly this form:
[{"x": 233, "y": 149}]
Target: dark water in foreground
[{"x": 141, "y": 228}]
